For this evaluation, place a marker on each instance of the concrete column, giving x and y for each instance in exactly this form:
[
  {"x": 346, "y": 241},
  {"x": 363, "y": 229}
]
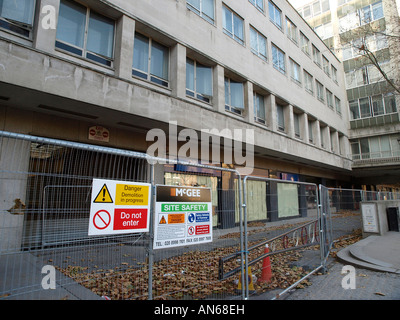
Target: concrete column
[
  {"x": 248, "y": 102},
  {"x": 335, "y": 142},
  {"x": 271, "y": 113},
  {"x": 219, "y": 88},
  {"x": 303, "y": 127},
  {"x": 317, "y": 133},
  {"x": 46, "y": 25},
  {"x": 14, "y": 165},
  {"x": 272, "y": 200},
  {"x": 178, "y": 70},
  {"x": 325, "y": 137},
  {"x": 124, "y": 41},
  {"x": 289, "y": 121}
]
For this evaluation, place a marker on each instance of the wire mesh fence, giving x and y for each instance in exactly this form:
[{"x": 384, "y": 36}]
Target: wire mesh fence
[
  {"x": 46, "y": 199},
  {"x": 283, "y": 247},
  {"x": 213, "y": 250}
]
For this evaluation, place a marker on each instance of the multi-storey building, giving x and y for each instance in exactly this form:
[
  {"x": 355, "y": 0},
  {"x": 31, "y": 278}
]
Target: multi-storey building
[
  {"x": 349, "y": 28},
  {"x": 131, "y": 66}
]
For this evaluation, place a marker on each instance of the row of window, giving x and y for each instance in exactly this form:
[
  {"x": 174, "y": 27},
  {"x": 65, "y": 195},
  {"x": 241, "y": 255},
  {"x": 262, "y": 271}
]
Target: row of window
[
  {"x": 361, "y": 17},
  {"x": 85, "y": 33},
  {"x": 357, "y": 47},
  {"x": 314, "y": 9},
  {"x": 368, "y": 74},
  {"x": 386, "y": 146},
  {"x": 233, "y": 26},
  {"x": 372, "y": 106}
]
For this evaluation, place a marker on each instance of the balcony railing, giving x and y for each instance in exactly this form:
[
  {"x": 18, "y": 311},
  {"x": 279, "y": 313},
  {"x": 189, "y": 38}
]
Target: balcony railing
[{"x": 376, "y": 158}]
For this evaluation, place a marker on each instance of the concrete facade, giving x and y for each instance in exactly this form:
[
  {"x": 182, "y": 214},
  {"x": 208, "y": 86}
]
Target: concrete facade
[{"x": 48, "y": 91}]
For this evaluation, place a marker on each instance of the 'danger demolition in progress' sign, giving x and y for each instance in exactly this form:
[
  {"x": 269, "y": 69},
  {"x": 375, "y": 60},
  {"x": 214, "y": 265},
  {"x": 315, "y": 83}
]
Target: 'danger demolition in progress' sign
[
  {"x": 183, "y": 216},
  {"x": 119, "y": 207}
]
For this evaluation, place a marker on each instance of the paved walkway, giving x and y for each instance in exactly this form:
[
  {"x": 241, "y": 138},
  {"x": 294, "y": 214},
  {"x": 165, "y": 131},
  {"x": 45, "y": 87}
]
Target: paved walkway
[{"x": 372, "y": 258}]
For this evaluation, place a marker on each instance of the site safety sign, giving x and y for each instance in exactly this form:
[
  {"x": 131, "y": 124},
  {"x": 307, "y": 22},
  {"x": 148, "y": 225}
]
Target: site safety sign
[
  {"x": 119, "y": 207},
  {"x": 183, "y": 216}
]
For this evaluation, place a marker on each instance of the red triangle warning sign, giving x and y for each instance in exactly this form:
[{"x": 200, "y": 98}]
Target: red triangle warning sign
[
  {"x": 163, "y": 221},
  {"x": 103, "y": 196}
]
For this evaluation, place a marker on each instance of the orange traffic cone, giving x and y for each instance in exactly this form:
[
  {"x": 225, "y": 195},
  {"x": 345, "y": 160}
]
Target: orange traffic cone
[{"x": 266, "y": 273}]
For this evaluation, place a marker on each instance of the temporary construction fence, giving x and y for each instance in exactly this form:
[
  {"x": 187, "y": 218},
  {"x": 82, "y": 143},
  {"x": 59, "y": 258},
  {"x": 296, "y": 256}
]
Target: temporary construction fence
[{"x": 46, "y": 251}]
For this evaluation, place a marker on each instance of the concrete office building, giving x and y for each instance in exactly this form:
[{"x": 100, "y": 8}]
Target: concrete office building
[
  {"x": 373, "y": 103},
  {"x": 131, "y": 66}
]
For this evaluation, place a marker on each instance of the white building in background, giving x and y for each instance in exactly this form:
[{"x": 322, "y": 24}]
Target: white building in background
[{"x": 373, "y": 103}]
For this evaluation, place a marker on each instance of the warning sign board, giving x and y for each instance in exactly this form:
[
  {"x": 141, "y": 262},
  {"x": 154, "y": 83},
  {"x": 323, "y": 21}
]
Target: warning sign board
[
  {"x": 183, "y": 216},
  {"x": 119, "y": 207}
]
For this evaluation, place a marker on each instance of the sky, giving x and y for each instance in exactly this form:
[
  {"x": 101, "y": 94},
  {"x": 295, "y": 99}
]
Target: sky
[{"x": 298, "y": 3}]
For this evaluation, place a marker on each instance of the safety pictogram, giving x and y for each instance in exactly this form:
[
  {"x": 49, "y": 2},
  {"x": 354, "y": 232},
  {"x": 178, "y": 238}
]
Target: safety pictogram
[
  {"x": 163, "y": 221},
  {"x": 103, "y": 196},
  {"x": 191, "y": 231},
  {"x": 101, "y": 219}
]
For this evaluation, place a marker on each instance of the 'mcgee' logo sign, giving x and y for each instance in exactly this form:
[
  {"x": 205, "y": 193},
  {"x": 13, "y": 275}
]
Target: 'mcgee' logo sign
[{"x": 182, "y": 194}]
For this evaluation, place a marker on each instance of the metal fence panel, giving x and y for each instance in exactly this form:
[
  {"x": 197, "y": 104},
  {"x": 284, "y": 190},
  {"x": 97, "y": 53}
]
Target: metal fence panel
[
  {"x": 283, "y": 247},
  {"x": 45, "y": 202}
]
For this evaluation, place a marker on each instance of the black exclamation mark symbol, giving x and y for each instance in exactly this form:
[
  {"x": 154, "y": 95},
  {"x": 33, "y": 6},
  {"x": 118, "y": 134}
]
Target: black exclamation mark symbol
[{"x": 104, "y": 194}]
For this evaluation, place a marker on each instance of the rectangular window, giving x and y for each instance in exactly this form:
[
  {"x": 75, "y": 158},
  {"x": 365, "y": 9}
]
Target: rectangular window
[
  {"x": 280, "y": 117},
  {"x": 390, "y": 103},
  {"x": 86, "y": 33},
  {"x": 150, "y": 60},
  {"x": 295, "y": 71},
  {"x": 370, "y": 13},
  {"x": 198, "y": 80},
  {"x": 334, "y": 74},
  {"x": 305, "y": 44},
  {"x": 377, "y": 105},
  {"x": 316, "y": 6},
  {"x": 329, "y": 98},
  {"x": 338, "y": 105},
  {"x": 325, "y": 66},
  {"x": 365, "y": 107},
  {"x": 365, "y": 153},
  {"x": 296, "y": 121},
  {"x": 204, "y": 8},
  {"x": 354, "y": 110},
  {"x": 349, "y": 22},
  {"x": 291, "y": 30},
  {"x": 234, "y": 96},
  {"x": 275, "y": 14},
  {"x": 310, "y": 132},
  {"x": 308, "y": 82},
  {"x": 258, "y": 44},
  {"x": 259, "y": 108},
  {"x": 17, "y": 16},
  {"x": 233, "y": 25},
  {"x": 278, "y": 59},
  {"x": 355, "y": 150},
  {"x": 316, "y": 56},
  {"x": 259, "y": 4},
  {"x": 320, "y": 91}
]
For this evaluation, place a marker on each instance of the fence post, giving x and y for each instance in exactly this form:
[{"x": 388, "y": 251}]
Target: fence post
[
  {"x": 151, "y": 233},
  {"x": 322, "y": 235},
  {"x": 244, "y": 211}
]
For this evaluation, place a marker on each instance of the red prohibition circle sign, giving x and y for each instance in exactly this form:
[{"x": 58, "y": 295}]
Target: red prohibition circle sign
[
  {"x": 191, "y": 230},
  {"x": 101, "y": 219}
]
